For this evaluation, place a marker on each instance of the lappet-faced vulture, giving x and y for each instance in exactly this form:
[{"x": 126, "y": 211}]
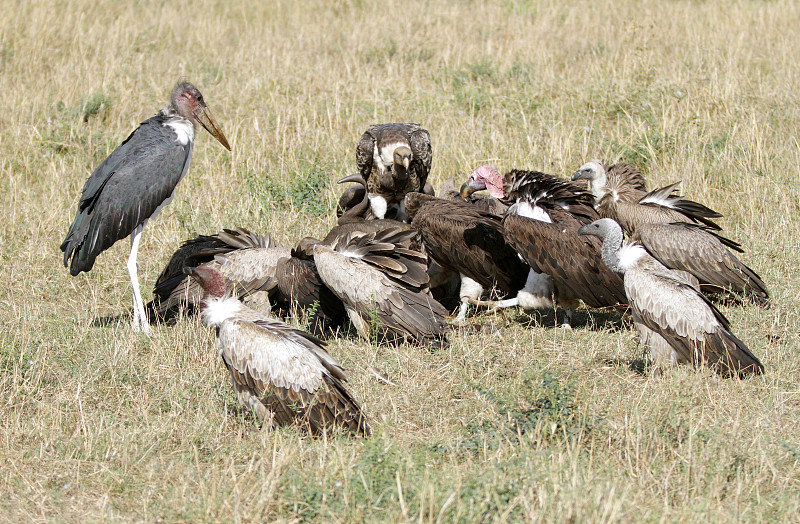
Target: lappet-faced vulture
[
  {"x": 673, "y": 318},
  {"x": 134, "y": 183},
  {"x": 542, "y": 226},
  {"x": 384, "y": 286},
  {"x": 282, "y": 373},
  {"x": 462, "y": 239}
]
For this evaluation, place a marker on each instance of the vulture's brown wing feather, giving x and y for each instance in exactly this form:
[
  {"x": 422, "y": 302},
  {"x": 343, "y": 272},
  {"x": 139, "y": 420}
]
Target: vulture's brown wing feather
[
  {"x": 675, "y": 310},
  {"x": 471, "y": 243},
  {"x": 290, "y": 373},
  {"x": 171, "y": 287},
  {"x": 624, "y": 176},
  {"x": 572, "y": 261},
  {"x": 422, "y": 151},
  {"x": 690, "y": 248}
]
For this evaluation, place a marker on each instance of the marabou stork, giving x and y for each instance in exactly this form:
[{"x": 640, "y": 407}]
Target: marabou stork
[{"x": 134, "y": 183}]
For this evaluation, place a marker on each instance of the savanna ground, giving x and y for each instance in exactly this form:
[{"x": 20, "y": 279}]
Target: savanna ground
[{"x": 516, "y": 421}]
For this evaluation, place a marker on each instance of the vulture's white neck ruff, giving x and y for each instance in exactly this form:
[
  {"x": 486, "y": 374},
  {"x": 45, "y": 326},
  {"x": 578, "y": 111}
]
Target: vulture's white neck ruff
[
  {"x": 218, "y": 310},
  {"x": 628, "y": 255},
  {"x": 524, "y": 209}
]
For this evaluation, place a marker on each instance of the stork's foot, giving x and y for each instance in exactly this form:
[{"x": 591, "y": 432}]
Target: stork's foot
[{"x": 140, "y": 325}]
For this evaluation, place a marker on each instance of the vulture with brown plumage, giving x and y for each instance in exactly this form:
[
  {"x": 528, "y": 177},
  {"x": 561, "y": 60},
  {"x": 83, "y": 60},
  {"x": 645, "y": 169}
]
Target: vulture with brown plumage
[
  {"x": 245, "y": 259},
  {"x": 462, "y": 239},
  {"x": 393, "y": 159},
  {"x": 384, "y": 284},
  {"x": 283, "y": 374},
  {"x": 705, "y": 255},
  {"x": 542, "y": 225},
  {"x": 673, "y": 318},
  {"x": 299, "y": 286}
]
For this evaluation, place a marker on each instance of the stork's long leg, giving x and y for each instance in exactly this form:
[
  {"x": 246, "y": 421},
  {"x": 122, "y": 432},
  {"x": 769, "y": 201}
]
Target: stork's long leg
[{"x": 139, "y": 317}]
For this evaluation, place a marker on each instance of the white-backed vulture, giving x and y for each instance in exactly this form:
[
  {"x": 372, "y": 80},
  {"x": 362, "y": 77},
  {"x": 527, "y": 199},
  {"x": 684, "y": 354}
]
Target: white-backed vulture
[
  {"x": 245, "y": 259},
  {"x": 469, "y": 242},
  {"x": 620, "y": 197},
  {"x": 677, "y": 322},
  {"x": 394, "y": 159},
  {"x": 281, "y": 373},
  {"x": 384, "y": 284}
]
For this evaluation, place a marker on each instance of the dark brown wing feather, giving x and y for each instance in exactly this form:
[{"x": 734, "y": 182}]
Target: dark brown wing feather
[
  {"x": 572, "y": 261},
  {"x": 466, "y": 241},
  {"x": 194, "y": 252}
]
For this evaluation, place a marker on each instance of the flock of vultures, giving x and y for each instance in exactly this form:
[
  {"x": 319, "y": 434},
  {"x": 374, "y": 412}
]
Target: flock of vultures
[{"x": 402, "y": 259}]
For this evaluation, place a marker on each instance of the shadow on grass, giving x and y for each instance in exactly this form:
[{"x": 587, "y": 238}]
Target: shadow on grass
[{"x": 598, "y": 320}]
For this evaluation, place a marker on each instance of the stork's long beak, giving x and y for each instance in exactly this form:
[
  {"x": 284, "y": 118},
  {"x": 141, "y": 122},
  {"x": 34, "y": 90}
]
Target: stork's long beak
[
  {"x": 203, "y": 115},
  {"x": 466, "y": 190}
]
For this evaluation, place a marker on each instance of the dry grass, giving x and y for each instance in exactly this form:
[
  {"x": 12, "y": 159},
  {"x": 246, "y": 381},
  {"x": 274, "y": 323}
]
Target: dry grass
[{"x": 516, "y": 421}]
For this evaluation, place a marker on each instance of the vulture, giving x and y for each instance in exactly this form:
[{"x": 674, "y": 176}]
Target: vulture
[
  {"x": 299, "y": 286},
  {"x": 384, "y": 284},
  {"x": 670, "y": 235},
  {"x": 623, "y": 199},
  {"x": 675, "y": 320},
  {"x": 394, "y": 159},
  {"x": 542, "y": 226},
  {"x": 462, "y": 239},
  {"x": 245, "y": 259},
  {"x": 134, "y": 183},
  {"x": 283, "y": 374}
]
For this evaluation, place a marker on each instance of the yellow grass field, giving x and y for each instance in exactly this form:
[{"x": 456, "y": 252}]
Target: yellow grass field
[{"x": 516, "y": 421}]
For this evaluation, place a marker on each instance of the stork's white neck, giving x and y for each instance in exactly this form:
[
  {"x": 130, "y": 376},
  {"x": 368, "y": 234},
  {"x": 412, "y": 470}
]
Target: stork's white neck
[{"x": 183, "y": 128}]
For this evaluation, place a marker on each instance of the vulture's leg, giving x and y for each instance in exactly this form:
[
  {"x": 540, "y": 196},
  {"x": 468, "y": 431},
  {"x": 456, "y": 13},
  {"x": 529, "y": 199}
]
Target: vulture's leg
[
  {"x": 567, "y": 324},
  {"x": 471, "y": 291},
  {"x": 139, "y": 316}
]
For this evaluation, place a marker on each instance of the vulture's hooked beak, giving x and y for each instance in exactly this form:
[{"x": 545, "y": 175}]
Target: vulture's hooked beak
[
  {"x": 466, "y": 190},
  {"x": 203, "y": 115},
  {"x": 581, "y": 175},
  {"x": 358, "y": 179}
]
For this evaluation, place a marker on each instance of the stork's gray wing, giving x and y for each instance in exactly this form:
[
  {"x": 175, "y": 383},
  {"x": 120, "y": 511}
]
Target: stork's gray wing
[
  {"x": 668, "y": 305},
  {"x": 572, "y": 261},
  {"x": 124, "y": 191},
  {"x": 691, "y": 248}
]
